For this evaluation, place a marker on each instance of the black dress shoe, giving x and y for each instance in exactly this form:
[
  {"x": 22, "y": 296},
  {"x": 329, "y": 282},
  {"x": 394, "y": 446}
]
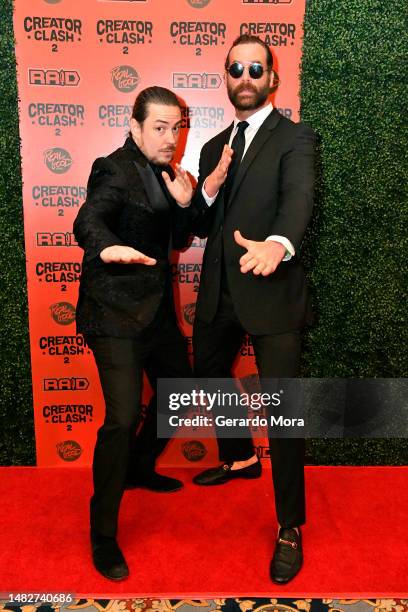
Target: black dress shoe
[
  {"x": 223, "y": 473},
  {"x": 107, "y": 557},
  {"x": 154, "y": 482},
  {"x": 288, "y": 556}
]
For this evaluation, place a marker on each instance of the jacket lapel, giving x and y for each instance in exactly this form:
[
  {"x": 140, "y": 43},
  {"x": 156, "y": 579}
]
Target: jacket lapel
[
  {"x": 262, "y": 135},
  {"x": 154, "y": 192}
]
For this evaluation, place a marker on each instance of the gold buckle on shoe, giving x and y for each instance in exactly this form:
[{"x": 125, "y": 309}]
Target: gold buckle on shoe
[{"x": 292, "y": 544}]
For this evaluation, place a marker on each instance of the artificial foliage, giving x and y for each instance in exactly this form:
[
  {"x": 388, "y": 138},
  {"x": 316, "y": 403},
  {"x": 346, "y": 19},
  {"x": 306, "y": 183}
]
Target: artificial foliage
[
  {"x": 16, "y": 404},
  {"x": 353, "y": 80}
]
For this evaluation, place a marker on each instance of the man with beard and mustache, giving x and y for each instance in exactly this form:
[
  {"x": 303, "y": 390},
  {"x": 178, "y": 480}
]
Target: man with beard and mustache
[
  {"x": 253, "y": 202},
  {"x": 133, "y": 214}
]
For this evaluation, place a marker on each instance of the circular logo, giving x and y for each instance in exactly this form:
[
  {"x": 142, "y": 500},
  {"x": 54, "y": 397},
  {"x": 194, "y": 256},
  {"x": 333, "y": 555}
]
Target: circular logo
[
  {"x": 198, "y": 3},
  {"x": 69, "y": 450},
  {"x": 194, "y": 450},
  {"x": 125, "y": 78},
  {"x": 57, "y": 160},
  {"x": 63, "y": 313},
  {"x": 189, "y": 313}
]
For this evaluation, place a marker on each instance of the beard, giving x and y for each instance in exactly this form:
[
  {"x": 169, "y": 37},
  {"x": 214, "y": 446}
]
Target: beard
[{"x": 247, "y": 103}]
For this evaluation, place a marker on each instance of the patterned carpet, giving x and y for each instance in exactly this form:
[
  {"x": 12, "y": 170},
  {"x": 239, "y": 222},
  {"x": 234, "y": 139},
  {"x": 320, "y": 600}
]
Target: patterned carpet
[{"x": 214, "y": 605}]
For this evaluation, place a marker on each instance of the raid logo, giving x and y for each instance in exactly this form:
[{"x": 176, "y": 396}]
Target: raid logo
[
  {"x": 56, "y": 239},
  {"x": 125, "y": 78},
  {"x": 58, "y": 196},
  {"x": 63, "y": 313},
  {"x": 69, "y": 450},
  {"x": 202, "y": 117},
  {"x": 189, "y": 313},
  {"x": 195, "y": 80},
  {"x": 49, "y": 114},
  {"x": 194, "y": 450},
  {"x": 62, "y": 345},
  {"x": 57, "y": 160},
  {"x": 274, "y": 34},
  {"x": 53, "y": 29},
  {"x": 124, "y": 31},
  {"x": 51, "y": 77},
  {"x": 198, "y": 33},
  {"x": 65, "y": 384},
  {"x": 198, "y": 243},
  {"x": 58, "y": 271}
]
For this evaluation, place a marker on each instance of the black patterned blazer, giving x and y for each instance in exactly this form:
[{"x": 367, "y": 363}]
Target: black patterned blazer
[{"x": 125, "y": 205}]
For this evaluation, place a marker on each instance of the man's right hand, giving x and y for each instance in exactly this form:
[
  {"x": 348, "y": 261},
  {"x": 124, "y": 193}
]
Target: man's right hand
[
  {"x": 216, "y": 179},
  {"x": 125, "y": 255}
]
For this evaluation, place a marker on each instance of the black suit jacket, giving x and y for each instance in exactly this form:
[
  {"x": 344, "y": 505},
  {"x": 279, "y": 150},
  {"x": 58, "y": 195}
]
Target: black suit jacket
[
  {"x": 272, "y": 194},
  {"x": 125, "y": 205}
]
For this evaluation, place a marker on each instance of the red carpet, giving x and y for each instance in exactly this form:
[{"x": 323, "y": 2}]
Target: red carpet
[{"x": 207, "y": 542}]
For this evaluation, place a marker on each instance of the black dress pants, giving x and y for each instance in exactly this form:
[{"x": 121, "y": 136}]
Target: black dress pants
[
  {"x": 216, "y": 346},
  {"x": 162, "y": 352}
]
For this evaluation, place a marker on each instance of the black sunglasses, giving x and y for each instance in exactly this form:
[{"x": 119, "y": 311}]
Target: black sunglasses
[{"x": 236, "y": 70}]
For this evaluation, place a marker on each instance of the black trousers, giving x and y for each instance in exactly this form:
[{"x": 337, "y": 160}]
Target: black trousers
[
  {"x": 162, "y": 352},
  {"x": 277, "y": 356}
]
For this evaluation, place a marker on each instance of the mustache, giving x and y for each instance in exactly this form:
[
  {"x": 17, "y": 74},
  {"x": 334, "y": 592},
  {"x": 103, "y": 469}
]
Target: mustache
[{"x": 245, "y": 87}]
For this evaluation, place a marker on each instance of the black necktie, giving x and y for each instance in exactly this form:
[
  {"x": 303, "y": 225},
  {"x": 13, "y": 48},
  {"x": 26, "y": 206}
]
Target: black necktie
[{"x": 238, "y": 146}]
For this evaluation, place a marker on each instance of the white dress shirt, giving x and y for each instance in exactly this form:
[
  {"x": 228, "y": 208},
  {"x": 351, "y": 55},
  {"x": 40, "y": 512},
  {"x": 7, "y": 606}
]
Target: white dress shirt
[{"x": 255, "y": 121}]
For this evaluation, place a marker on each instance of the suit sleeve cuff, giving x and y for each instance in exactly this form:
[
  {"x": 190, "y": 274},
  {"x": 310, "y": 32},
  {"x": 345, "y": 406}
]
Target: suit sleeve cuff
[{"x": 290, "y": 249}]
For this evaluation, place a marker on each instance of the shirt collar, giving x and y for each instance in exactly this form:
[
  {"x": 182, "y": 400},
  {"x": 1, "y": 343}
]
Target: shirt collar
[{"x": 255, "y": 121}]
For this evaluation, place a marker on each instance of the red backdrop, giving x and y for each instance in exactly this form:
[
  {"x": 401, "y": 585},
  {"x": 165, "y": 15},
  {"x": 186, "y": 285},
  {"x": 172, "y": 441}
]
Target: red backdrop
[{"x": 80, "y": 67}]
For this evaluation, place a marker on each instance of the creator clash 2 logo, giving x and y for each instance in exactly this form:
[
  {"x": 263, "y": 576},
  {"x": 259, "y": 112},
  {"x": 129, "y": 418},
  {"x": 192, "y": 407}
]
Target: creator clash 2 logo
[
  {"x": 57, "y": 160},
  {"x": 125, "y": 78}
]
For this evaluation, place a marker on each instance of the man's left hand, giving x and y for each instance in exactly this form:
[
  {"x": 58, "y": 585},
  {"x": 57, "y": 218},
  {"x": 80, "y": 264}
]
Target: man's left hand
[
  {"x": 180, "y": 189},
  {"x": 261, "y": 257}
]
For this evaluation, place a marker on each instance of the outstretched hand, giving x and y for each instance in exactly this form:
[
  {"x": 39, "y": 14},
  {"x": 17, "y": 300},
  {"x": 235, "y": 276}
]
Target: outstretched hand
[
  {"x": 261, "y": 257},
  {"x": 181, "y": 188},
  {"x": 125, "y": 255},
  {"x": 216, "y": 179}
]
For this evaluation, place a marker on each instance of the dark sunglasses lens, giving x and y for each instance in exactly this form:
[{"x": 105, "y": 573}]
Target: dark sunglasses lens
[
  {"x": 235, "y": 70},
  {"x": 255, "y": 71}
]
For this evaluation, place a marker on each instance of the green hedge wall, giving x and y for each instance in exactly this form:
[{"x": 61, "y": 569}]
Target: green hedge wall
[
  {"x": 352, "y": 94},
  {"x": 355, "y": 252},
  {"x": 16, "y": 412}
]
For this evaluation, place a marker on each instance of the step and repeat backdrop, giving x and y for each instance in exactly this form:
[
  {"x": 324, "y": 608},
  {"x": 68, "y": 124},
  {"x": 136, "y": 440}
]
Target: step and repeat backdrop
[{"x": 80, "y": 66}]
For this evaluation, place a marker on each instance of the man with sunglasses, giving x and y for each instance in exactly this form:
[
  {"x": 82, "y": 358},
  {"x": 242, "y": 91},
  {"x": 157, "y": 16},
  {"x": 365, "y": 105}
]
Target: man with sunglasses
[{"x": 253, "y": 201}]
